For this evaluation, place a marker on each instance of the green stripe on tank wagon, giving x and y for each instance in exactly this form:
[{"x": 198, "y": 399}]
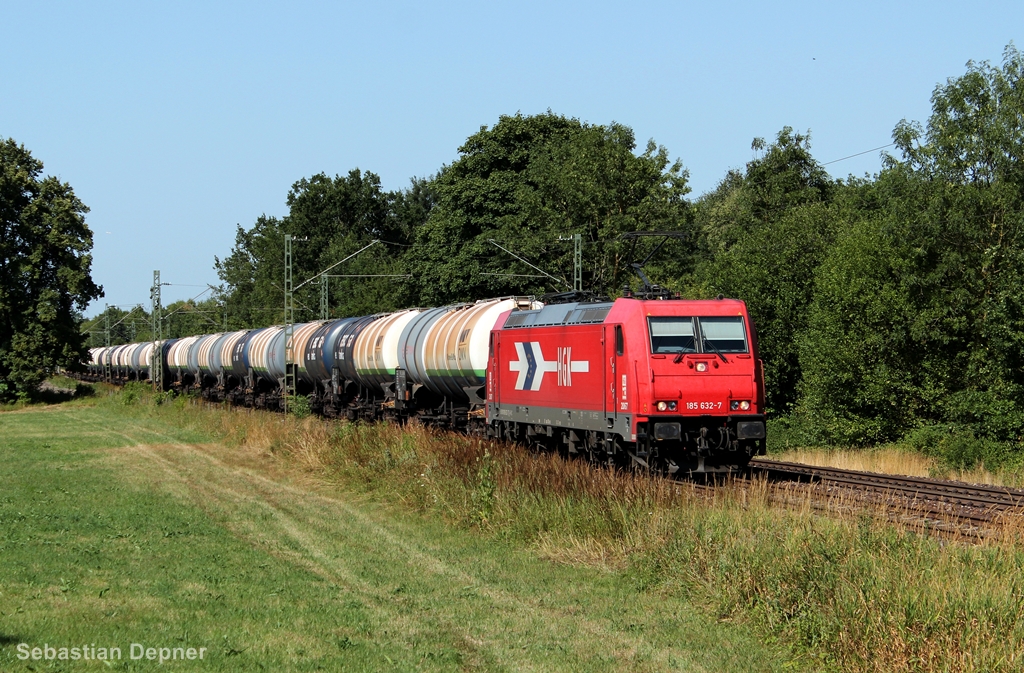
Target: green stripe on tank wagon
[{"x": 479, "y": 373}]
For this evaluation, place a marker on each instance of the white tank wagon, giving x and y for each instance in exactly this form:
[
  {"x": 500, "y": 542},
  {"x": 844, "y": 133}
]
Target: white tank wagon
[
  {"x": 126, "y": 360},
  {"x": 266, "y": 356},
  {"x": 426, "y": 365},
  {"x": 142, "y": 358},
  {"x": 116, "y": 361},
  {"x": 302, "y": 350},
  {"x": 376, "y": 349},
  {"x": 199, "y": 356},
  {"x": 445, "y": 349},
  {"x": 177, "y": 359},
  {"x": 222, "y": 359},
  {"x": 95, "y": 366}
]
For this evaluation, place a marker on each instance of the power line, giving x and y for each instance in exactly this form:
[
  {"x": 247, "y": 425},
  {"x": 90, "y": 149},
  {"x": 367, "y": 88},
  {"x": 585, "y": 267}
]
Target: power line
[
  {"x": 535, "y": 268},
  {"x": 125, "y": 316},
  {"x": 370, "y": 275},
  {"x": 188, "y": 302},
  {"x": 834, "y": 161},
  {"x": 375, "y": 242}
]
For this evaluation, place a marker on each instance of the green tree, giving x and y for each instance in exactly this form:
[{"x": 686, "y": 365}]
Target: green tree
[
  {"x": 192, "y": 317},
  {"x": 126, "y": 326},
  {"x": 761, "y": 235},
  {"x": 528, "y": 181},
  {"x": 45, "y": 280},
  {"x": 336, "y": 217},
  {"x": 919, "y": 313}
]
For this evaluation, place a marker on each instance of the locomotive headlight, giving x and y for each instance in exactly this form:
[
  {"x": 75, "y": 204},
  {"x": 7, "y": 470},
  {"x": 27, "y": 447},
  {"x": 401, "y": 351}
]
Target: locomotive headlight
[
  {"x": 702, "y": 366},
  {"x": 671, "y": 406},
  {"x": 742, "y": 405},
  {"x": 662, "y": 406}
]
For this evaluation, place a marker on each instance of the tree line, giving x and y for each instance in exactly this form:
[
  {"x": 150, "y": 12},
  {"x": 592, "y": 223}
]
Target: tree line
[{"x": 888, "y": 307}]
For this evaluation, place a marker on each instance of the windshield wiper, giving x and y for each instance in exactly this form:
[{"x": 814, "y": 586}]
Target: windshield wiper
[{"x": 707, "y": 341}]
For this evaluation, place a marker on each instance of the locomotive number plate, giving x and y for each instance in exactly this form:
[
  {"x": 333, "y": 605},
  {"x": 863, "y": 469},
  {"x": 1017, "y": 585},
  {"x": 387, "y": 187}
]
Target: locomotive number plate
[{"x": 703, "y": 406}]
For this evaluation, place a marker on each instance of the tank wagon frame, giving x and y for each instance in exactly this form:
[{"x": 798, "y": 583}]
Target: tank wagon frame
[{"x": 663, "y": 383}]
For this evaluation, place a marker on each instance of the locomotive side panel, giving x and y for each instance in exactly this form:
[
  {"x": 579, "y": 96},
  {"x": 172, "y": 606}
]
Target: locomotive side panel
[{"x": 550, "y": 376}]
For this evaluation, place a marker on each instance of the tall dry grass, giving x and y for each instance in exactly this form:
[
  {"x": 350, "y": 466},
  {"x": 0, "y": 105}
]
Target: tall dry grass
[
  {"x": 896, "y": 460},
  {"x": 855, "y": 594}
]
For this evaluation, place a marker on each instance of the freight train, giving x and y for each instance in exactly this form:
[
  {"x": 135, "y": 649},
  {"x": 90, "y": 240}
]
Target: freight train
[{"x": 651, "y": 380}]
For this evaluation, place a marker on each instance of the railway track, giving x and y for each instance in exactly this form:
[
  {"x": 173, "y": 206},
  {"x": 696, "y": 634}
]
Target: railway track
[{"x": 940, "y": 505}]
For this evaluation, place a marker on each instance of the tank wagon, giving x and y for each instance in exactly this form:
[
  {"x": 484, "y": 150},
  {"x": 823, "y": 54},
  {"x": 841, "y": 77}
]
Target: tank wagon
[{"x": 670, "y": 384}]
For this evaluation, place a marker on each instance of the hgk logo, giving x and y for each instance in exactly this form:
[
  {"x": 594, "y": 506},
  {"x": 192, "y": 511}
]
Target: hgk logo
[{"x": 531, "y": 365}]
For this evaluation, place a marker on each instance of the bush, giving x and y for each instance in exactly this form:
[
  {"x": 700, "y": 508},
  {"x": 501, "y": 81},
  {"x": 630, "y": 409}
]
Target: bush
[
  {"x": 788, "y": 432},
  {"x": 958, "y": 448},
  {"x": 132, "y": 392},
  {"x": 298, "y": 406}
]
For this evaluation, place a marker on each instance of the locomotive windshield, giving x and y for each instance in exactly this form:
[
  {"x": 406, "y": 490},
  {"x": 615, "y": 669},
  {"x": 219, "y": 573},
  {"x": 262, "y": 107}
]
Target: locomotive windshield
[
  {"x": 672, "y": 335},
  {"x": 725, "y": 335},
  {"x": 676, "y": 334}
]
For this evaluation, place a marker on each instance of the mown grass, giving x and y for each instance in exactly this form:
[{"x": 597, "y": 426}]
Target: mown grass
[
  {"x": 181, "y": 525},
  {"x": 853, "y": 594}
]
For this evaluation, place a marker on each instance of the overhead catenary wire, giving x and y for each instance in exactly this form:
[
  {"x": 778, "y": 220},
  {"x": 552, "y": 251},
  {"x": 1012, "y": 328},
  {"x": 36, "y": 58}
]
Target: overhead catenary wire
[
  {"x": 189, "y": 301},
  {"x": 125, "y": 316},
  {"x": 375, "y": 242},
  {"x": 366, "y": 275},
  {"x": 875, "y": 149},
  {"x": 535, "y": 268},
  {"x": 598, "y": 244}
]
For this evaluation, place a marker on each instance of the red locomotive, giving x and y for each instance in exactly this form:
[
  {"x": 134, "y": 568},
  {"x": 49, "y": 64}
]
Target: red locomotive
[{"x": 675, "y": 385}]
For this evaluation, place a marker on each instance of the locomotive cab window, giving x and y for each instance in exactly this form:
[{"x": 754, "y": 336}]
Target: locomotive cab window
[
  {"x": 672, "y": 334},
  {"x": 723, "y": 334},
  {"x": 620, "y": 345}
]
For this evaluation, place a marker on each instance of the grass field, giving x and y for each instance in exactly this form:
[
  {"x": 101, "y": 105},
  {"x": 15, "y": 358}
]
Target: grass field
[{"x": 178, "y": 527}]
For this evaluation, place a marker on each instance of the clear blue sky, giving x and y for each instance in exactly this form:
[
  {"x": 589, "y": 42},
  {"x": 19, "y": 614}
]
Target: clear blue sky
[{"x": 175, "y": 121}]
